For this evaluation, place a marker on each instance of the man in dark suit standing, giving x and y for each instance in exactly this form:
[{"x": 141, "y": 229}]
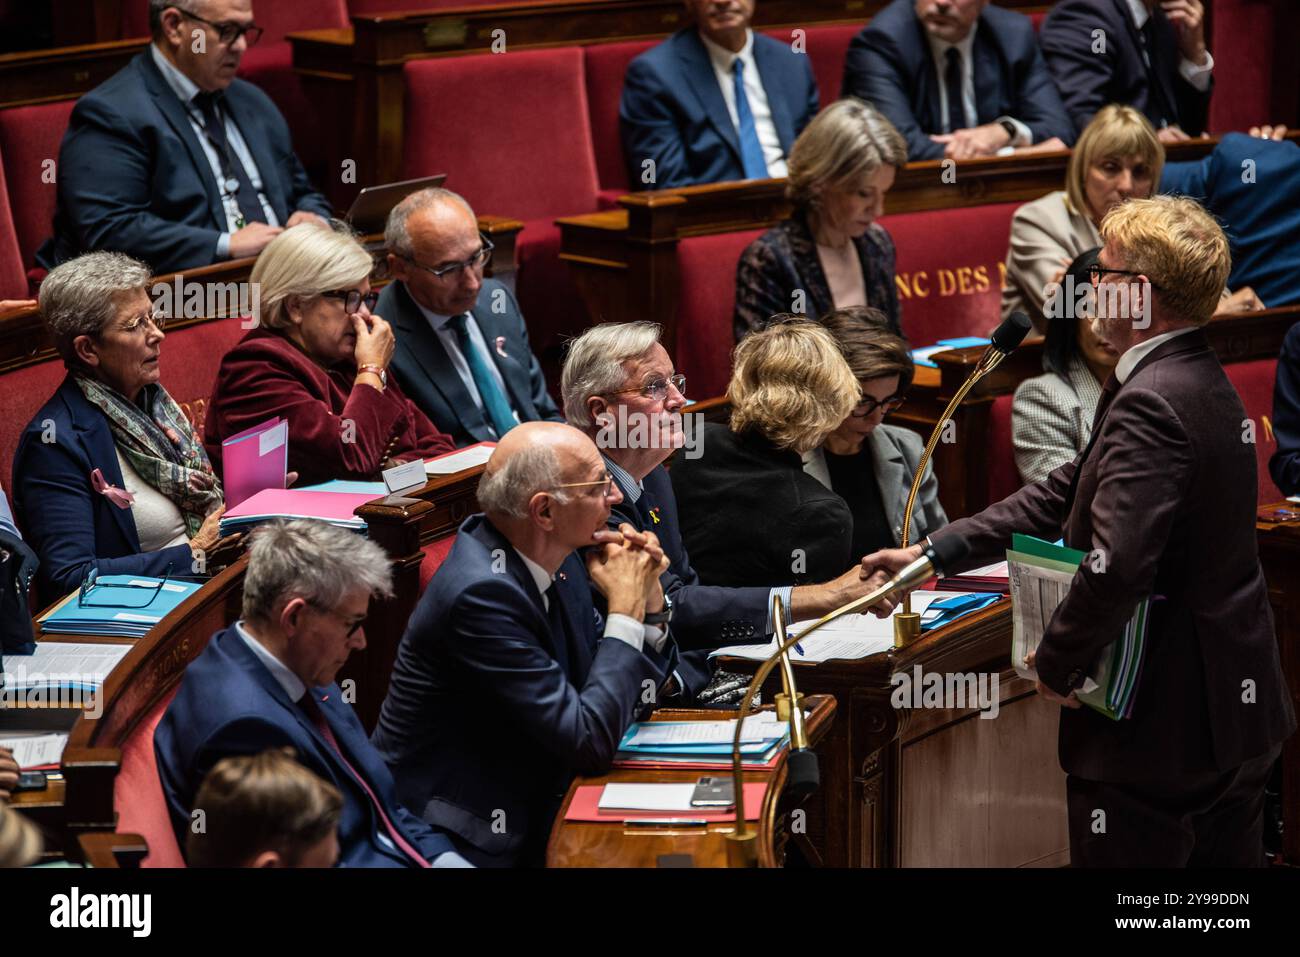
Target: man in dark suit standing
[
  {"x": 506, "y": 684},
  {"x": 1162, "y": 500},
  {"x": 175, "y": 161},
  {"x": 714, "y": 102},
  {"x": 620, "y": 388},
  {"x": 1149, "y": 54},
  {"x": 462, "y": 347},
  {"x": 958, "y": 78},
  {"x": 267, "y": 681}
]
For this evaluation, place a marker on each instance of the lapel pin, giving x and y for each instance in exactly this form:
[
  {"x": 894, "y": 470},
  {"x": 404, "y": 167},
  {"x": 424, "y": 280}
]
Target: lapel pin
[{"x": 501, "y": 347}]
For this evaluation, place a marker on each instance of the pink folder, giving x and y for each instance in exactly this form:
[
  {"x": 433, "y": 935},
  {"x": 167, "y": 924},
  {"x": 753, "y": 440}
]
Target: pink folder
[
  {"x": 292, "y": 503},
  {"x": 253, "y": 460}
]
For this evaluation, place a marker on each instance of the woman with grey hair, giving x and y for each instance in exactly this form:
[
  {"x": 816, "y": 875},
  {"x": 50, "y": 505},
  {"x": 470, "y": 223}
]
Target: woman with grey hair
[
  {"x": 109, "y": 476},
  {"x": 319, "y": 360},
  {"x": 831, "y": 253}
]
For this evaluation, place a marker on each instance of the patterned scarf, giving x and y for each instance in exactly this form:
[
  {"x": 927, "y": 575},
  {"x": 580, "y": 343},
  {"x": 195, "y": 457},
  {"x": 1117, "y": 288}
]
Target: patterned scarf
[{"x": 161, "y": 447}]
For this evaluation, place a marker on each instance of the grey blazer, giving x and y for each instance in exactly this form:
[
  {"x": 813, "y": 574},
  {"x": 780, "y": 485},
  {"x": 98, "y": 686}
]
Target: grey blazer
[
  {"x": 1051, "y": 419},
  {"x": 1042, "y": 234},
  {"x": 895, "y": 453}
]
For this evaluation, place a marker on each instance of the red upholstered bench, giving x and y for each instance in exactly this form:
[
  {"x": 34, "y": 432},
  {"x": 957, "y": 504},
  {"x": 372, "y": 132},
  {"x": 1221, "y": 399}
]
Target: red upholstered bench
[
  {"x": 949, "y": 269},
  {"x": 1004, "y": 478},
  {"x": 13, "y": 274},
  {"x": 435, "y": 553},
  {"x": 1253, "y": 381},
  {"x": 137, "y": 792},
  {"x": 189, "y": 362},
  {"x": 22, "y": 393},
  {"x": 604, "y": 66},
  {"x": 826, "y": 46},
  {"x": 29, "y": 136},
  {"x": 707, "y": 299}
]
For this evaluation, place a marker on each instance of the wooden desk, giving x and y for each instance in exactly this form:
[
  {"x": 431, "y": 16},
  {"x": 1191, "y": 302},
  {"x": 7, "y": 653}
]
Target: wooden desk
[
  {"x": 903, "y": 787},
  {"x": 593, "y": 844},
  {"x": 64, "y": 73},
  {"x": 1279, "y": 553}
]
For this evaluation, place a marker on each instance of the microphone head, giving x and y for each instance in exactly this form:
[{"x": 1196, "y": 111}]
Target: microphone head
[
  {"x": 1012, "y": 332},
  {"x": 947, "y": 551},
  {"x": 804, "y": 776}
]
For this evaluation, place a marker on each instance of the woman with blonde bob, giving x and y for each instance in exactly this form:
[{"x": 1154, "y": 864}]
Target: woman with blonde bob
[
  {"x": 831, "y": 254},
  {"x": 750, "y": 515},
  {"x": 319, "y": 359}
]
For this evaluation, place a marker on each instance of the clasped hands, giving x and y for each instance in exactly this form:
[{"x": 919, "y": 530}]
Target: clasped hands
[{"x": 625, "y": 567}]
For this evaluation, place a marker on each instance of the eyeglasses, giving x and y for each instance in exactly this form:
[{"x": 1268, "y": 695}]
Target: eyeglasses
[
  {"x": 228, "y": 33},
  {"x": 1097, "y": 270},
  {"x": 353, "y": 626},
  {"x": 352, "y": 299},
  {"x": 476, "y": 262},
  {"x": 869, "y": 404},
  {"x": 135, "y": 323},
  {"x": 607, "y": 481},
  {"x": 658, "y": 389},
  {"x": 92, "y": 582}
]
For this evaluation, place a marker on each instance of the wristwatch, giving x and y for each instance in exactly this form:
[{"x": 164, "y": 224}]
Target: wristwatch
[
  {"x": 1010, "y": 127},
  {"x": 660, "y": 617},
  {"x": 375, "y": 370}
]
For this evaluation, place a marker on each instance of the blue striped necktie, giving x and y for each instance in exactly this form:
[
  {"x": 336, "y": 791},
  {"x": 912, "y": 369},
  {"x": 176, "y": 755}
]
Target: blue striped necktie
[
  {"x": 494, "y": 401},
  {"x": 751, "y": 150}
]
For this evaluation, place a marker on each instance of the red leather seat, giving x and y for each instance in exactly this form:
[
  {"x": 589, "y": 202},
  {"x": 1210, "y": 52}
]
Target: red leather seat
[
  {"x": 189, "y": 362},
  {"x": 604, "y": 66},
  {"x": 1004, "y": 478},
  {"x": 826, "y": 46},
  {"x": 22, "y": 393},
  {"x": 138, "y": 795},
  {"x": 707, "y": 299},
  {"x": 357, "y": 7},
  {"x": 276, "y": 18},
  {"x": 13, "y": 274},
  {"x": 949, "y": 269},
  {"x": 29, "y": 136},
  {"x": 1253, "y": 381},
  {"x": 434, "y": 555}
]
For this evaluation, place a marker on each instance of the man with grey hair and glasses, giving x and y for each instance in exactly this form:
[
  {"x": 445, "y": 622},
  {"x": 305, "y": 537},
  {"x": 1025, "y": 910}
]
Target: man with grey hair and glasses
[
  {"x": 268, "y": 681},
  {"x": 507, "y": 682},
  {"x": 620, "y": 388},
  {"x": 462, "y": 347}
]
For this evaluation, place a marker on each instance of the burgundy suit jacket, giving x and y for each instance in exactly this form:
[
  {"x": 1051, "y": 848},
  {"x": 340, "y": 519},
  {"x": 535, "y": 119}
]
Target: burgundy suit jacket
[
  {"x": 1166, "y": 492},
  {"x": 337, "y": 430}
]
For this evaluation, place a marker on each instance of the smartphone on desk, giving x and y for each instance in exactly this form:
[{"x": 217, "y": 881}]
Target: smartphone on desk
[{"x": 714, "y": 792}]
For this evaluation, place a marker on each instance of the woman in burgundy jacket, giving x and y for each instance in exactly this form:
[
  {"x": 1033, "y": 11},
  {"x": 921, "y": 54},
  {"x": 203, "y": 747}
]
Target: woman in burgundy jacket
[{"x": 319, "y": 359}]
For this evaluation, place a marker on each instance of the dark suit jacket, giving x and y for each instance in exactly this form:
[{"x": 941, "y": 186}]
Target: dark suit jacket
[
  {"x": 1088, "y": 80},
  {"x": 229, "y": 704},
  {"x": 890, "y": 64},
  {"x": 134, "y": 178},
  {"x": 784, "y": 260},
  {"x": 1167, "y": 492},
  {"x": 1265, "y": 254},
  {"x": 71, "y": 526},
  {"x": 752, "y": 517},
  {"x": 489, "y": 715},
  {"x": 704, "y": 616},
  {"x": 1285, "y": 463},
  {"x": 673, "y": 112},
  {"x": 424, "y": 369},
  {"x": 336, "y": 429}
]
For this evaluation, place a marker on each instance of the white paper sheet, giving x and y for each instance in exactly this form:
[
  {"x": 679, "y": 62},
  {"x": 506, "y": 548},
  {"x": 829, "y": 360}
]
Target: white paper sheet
[
  {"x": 83, "y": 660},
  {"x": 459, "y": 461},
  {"x": 648, "y": 797},
  {"x": 35, "y": 750}
]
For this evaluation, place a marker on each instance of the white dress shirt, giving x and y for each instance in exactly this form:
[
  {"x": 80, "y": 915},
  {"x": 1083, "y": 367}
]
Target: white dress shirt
[
  {"x": 1129, "y": 360},
  {"x": 970, "y": 111},
  {"x": 722, "y": 59},
  {"x": 1197, "y": 76},
  {"x": 442, "y": 328},
  {"x": 623, "y": 627},
  {"x": 185, "y": 90},
  {"x": 293, "y": 686}
]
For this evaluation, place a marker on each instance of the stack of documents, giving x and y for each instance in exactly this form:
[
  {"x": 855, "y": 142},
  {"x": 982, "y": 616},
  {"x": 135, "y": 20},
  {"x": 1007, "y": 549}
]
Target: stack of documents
[
  {"x": 993, "y": 578},
  {"x": 1041, "y": 573},
  {"x": 667, "y": 804},
  {"x": 335, "y": 507},
  {"x": 702, "y": 744},
  {"x": 846, "y": 638},
  {"x": 116, "y": 608},
  {"x": 36, "y": 752},
  {"x": 57, "y": 666},
  {"x": 922, "y": 356}
]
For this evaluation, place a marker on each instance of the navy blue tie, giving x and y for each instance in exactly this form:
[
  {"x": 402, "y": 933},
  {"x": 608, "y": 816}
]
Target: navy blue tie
[
  {"x": 494, "y": 401},
  {"x": 751, "y": 150},
  {"x": 953, "y": 82},
  {"x": 232, "y": 169}
]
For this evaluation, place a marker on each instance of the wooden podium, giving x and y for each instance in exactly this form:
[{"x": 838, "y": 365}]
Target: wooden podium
[
  {"x": 600, "y": 844},
  {"x": 935, "y": 787}
]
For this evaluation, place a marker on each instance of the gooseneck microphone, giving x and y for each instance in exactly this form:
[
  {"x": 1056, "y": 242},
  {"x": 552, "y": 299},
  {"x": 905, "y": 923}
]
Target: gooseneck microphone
[
  {"x": 803, "y": 775},
  {"x": 1006, "y": 338}
]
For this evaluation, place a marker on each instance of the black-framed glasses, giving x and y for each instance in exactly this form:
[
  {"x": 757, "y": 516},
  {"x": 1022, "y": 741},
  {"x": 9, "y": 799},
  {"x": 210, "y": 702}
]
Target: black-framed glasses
[
  {"x": 228, "y": 33},
  {"x": 353, "y": 626},
  {"x": 476, "y": 262},
  {"x": 91, "y": 582},
  {"x": 1097, "y": 270},
  {"x": 353, "y": 298},
  {"x": 658, "y": 389},
  {"x": 868, "y": 404},
  {"x": 607, "y": 481}
]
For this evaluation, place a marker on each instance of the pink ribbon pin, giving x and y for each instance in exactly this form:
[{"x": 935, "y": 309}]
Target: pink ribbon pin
[
  {"x": 501, "y": 347},
  {"x": 118, "y": 496}
]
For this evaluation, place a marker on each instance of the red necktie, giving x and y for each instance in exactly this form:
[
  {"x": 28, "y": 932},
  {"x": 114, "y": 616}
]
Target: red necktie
[{"x": 314, "y": 712}]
